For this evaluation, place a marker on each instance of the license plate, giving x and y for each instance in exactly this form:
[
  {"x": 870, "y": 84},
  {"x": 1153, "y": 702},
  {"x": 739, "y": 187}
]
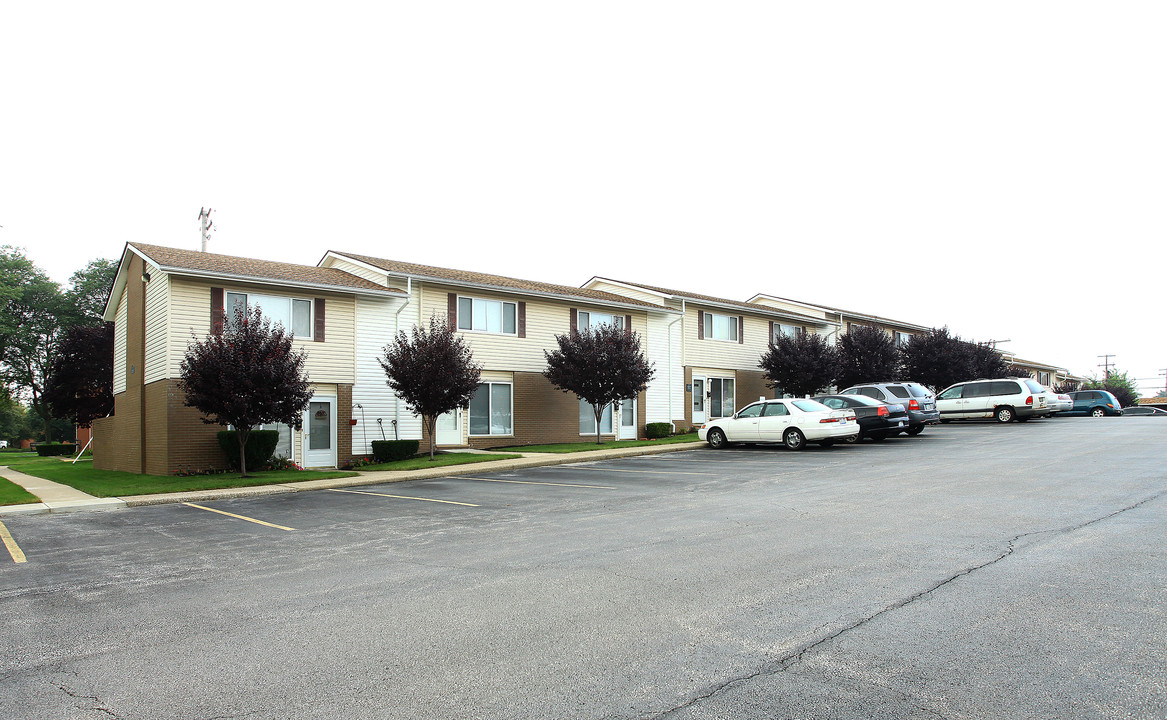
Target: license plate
[
  {"x": 843, "y": 421},
  {"x": 929, "y": 406}
]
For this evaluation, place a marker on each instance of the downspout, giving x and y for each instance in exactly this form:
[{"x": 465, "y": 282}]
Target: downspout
[
  {"x": 672, "y": 424},
  {"x": 397, "y": 329}
]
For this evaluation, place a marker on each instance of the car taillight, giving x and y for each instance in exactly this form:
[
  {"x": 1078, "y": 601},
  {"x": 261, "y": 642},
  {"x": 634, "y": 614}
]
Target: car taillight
[
  {"x": 1029, "y": 400},
  {"x": 913, "y": 405},
  {"x": 882, "y": 410},
  {"x": 829, "y": 420}
]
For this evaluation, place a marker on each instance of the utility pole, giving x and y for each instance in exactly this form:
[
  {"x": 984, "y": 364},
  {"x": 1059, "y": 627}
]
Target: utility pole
[
  {"x": 1163, "y": 372},
  {"x": 1106, "y": 364},
  {"x": 205, "y": 224}
]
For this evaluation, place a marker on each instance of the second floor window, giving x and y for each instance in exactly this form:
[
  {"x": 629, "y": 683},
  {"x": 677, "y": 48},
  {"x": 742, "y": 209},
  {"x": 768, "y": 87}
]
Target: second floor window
[
  {"x": 589, "y": 320},
  {"x": 295, "y": 314},
  {"x": 492, "y": 316},
  {"x": 781, "y": 330},
  {"x": 720, "y": 327}
]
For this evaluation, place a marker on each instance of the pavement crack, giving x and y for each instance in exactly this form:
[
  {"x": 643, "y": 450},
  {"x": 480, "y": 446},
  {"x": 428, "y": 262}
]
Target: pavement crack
[
  {"x": 98, "y": 705},
  {"x": 794, "y": 657}
]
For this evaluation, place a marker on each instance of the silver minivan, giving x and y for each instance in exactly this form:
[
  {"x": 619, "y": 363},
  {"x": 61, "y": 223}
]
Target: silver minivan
[{"x": 1005, "y": 399}]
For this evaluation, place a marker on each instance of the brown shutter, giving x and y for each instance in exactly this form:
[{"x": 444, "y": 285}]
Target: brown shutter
[
  {"x": 574, "y": 321},
  {"x": 627, "y": 324},
  {"x": 318, "y": 320},
  {"x": 522, "y": 321},
  {"x": 217, "y": 311},
  {"x": 452, "y": 310},
  {"x": 771, "y": 337},
  {"x": 700, "y": 325},
  {"x": 741, "y": 329}
]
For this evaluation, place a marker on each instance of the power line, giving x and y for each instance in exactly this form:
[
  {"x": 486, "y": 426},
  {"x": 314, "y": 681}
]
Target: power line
[{"x": 1106, "y": 363}]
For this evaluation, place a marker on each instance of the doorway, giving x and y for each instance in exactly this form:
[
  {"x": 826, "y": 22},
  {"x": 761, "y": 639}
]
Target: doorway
[{"x": 319, "y": 437}]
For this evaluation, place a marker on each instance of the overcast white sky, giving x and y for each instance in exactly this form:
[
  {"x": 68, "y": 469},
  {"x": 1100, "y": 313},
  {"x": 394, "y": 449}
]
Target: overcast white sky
[{"x": 997, "y": 167}]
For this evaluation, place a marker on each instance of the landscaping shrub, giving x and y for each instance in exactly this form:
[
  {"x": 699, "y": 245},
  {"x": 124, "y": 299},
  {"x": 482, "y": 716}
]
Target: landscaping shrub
[
  {"x": 655, "y": 430},
  {"x": 390, "y": 450},
  {"x": 54, "y": 449},
  {"x": 258, "y": 450}
]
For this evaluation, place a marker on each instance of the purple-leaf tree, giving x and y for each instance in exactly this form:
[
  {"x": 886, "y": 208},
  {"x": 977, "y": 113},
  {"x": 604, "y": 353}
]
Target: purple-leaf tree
[
  {"x": 79, "y": 385},
  {"x": 799, "y": 365},
  {"x": 247, "y": 375},
  {"x": 601, "y": 365},
  {"x": 432, "y": 370}
]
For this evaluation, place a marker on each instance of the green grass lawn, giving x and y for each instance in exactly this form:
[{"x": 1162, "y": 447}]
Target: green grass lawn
[
  {"x": 584, "y": 446},
  {"x": 440, "y": 460},
  {"x": 13, "y": 494},
  {"x": 113, "y": 483}
]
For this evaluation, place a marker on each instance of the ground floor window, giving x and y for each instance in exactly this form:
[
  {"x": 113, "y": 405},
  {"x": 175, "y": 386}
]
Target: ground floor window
[
  {"x": 284, "y": 446},
  {"x": 587, "y": 419},
  {"x": 491, "y": 410},
  {"x": 721, "y": 397}
]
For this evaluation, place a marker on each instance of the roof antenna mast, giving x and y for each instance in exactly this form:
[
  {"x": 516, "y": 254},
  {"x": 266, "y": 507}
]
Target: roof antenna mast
[{"x": 205, "y": 224}]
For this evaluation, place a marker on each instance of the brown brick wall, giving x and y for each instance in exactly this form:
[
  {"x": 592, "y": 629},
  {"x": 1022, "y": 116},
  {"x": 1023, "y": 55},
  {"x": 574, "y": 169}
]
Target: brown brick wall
[
  {"x": 192, "y": 445},
  {"x": 344, "y": 428},
  {"x": 115, "y": 438},
  {"x": 750, "y": 385}
]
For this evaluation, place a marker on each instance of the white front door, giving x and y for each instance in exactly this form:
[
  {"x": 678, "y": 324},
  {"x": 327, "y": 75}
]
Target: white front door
[
  {"x": 448, "y": 429},
  {"x": 698, "y": 400},
  {"x": 319, "y": 433},
  {"x": 627, "y": 429}
]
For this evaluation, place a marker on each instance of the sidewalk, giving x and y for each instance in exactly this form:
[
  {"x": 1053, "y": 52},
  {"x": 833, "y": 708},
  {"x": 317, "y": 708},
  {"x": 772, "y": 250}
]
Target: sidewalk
[{"x": 61, "y": 498}]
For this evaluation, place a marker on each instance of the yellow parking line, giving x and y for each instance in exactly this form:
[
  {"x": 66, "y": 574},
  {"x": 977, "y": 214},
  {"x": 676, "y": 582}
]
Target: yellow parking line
[
  {"x": 648, "y": 472},
  {"x": 403, "y": 497},
  {"x": 527, "y": 482},
  {"x": 241, "y": 517},
  {"x": 13, "y": 549}
]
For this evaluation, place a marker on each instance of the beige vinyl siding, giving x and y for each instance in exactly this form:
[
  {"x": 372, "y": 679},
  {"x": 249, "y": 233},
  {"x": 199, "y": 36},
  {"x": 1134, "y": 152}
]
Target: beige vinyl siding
[
  {"x": 665, "y": 380},
  {"x": 331, "y": 361},
  {"x": 628, "y": 292},
  {"x": 352, "y": 268},
  {"x": 375, "y": 328},
  {"x": 726, "y": 353},
  {"x": 119, "y": 344},
  {"x": 793, "y": 308},
  {"x": 546, "y": 318},
  {"x": 157, "y": 321}
]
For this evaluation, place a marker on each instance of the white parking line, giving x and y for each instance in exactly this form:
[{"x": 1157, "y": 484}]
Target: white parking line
[
  {"x": 528, "y": 482},
  {"x": 403, "y": 497}
]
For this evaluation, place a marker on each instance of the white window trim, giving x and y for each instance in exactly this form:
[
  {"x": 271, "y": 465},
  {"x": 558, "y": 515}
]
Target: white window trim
[
  {"x": 472, "y": 298},
  {"x": 490, "y": 410},
  {"x": 617, "y": 319},
  {"x": 615, "y": 427},
  {"x": 229, "y": 310},
  {"x": 713, "y": 325}
]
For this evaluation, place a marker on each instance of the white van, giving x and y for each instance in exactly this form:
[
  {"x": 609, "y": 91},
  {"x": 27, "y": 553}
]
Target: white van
[{"x": 1006, "y": 399}]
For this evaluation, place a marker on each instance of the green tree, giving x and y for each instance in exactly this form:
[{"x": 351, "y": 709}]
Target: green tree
[
  {"x": 30, "y": 326},
  {"x": 601, "y": 365},
  {"x": 88, "y": 292},
  {"x": 800, "y": 365}
]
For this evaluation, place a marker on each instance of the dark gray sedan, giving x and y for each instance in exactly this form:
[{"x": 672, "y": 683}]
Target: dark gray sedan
[{"x": 877, "y": 420}]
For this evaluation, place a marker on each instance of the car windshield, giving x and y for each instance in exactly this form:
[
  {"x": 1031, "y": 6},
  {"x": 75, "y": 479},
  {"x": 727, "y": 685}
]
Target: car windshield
[{"x": 809, "y": 405}]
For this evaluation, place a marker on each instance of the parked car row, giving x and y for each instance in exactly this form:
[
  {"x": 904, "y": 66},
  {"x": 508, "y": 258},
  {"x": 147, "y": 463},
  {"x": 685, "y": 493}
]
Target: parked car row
[{"x": 881, "y": 410}]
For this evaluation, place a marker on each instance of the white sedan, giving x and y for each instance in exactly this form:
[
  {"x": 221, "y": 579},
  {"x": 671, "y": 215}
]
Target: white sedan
[{"x": 792, "y": 422}]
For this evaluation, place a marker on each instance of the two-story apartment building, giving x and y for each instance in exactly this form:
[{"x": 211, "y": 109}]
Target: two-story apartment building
[
  {"x": 843, "y": 321},
  {"x": 707, "y": 356},
  {"x": 163, "y": 298}
]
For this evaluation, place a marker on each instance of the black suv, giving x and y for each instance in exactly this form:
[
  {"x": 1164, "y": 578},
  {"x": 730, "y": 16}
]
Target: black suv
[{"x": 916, "y": 399}]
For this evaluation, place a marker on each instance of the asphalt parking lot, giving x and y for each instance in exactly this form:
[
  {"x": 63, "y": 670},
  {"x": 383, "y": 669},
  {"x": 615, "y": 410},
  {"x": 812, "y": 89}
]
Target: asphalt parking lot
[{"x": 974, "y": 571}]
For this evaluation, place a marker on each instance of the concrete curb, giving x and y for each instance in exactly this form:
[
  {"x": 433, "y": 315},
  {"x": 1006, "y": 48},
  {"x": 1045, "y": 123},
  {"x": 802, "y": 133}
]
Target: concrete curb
[{"x": 381, "y": 477}]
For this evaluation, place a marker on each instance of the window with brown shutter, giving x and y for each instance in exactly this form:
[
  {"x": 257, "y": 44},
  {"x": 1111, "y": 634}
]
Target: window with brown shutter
[
  {"x": 741, "y": 329},
  {"x": 700, "y": 325},
  {"x": 574, "y": 320},
  {"x": 452, "y": 310},
  {"x": 522, "y": 323},
  {"x": 318, "y": 320},
  {"x": 217, "y": 311},
  {"x": 627, "y": 324}
]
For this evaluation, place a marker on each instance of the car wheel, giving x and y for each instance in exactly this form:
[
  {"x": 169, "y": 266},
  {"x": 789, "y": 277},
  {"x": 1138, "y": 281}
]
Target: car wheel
[
  {"x": 1004, "y": 414},
  {"x": 716, "y": 439},
  {"x": 1097, "y": 412},
  {"x": 826, "y": 443},
  {"x": 794, "y": 439},
  {"x": 915, "y": 429}
]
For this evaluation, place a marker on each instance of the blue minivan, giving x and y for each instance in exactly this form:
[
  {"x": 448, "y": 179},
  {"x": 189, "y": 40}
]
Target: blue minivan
[{"x": 1095, "y": 403}]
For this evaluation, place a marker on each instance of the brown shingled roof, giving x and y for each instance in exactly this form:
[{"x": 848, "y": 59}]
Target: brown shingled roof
[
  {"x": 763, "y": 309},
  {"x": 498, "y": 281},
  {"x": 174, "y": 259}
]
